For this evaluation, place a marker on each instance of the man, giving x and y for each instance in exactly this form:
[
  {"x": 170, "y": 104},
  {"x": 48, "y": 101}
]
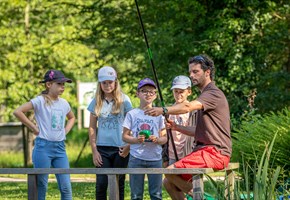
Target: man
[{"x": 212, "y": 132}]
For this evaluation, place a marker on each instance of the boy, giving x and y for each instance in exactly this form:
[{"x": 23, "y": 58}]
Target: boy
[
  {"x": 181, "y": 89},
  {"x": 146, "y": 134}
]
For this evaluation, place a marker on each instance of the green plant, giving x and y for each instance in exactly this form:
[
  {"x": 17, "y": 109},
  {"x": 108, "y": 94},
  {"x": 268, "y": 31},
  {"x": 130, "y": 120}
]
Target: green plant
[
  {"x": 264, "y": 178},
  {"x": 259, "y": 181},
  {"x": 256, "y": 130}
]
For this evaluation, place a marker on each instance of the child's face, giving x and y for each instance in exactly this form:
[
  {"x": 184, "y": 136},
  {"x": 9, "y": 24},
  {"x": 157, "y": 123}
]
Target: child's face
[
  {"x": 180, "y": 95},
  {"x": 55, "y": 89},
  {"x": 108, "y": 86},
  {"x": 147, "y": 94}
]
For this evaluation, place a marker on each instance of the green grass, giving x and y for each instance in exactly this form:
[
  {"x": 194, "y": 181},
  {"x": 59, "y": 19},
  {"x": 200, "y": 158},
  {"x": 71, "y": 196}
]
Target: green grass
[{"x": 80, "y": 191}]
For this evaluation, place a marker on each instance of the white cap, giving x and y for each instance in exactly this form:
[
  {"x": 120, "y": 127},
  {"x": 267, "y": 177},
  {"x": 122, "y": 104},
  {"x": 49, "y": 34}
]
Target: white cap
[
  {"x": 181, "y": 82},
  {"x": 107, "y": 74}
]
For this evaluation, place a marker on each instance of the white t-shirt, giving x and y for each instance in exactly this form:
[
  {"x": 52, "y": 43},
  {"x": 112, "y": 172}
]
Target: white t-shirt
[
  {"x": 136, "y": 121},
  {"x": 51, "y": 118}
]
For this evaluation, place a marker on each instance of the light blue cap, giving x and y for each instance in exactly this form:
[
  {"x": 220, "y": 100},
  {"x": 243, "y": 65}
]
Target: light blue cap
[
  {"x": 107, "y": 73},
  {"x": 181, "y": 82}
]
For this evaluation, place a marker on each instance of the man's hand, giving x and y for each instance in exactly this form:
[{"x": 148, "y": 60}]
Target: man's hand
[{"x": 156, "y": 111}]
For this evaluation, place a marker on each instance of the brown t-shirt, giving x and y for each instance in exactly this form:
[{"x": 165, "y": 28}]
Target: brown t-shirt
[{"x": 213, "y": 122}]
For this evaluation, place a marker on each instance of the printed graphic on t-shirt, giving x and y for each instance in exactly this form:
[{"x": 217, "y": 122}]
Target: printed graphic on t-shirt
[
  {"x": 145, "y": 124},
  {"x": 56, "y": 120},
  {"x": 108, "y": 123}
]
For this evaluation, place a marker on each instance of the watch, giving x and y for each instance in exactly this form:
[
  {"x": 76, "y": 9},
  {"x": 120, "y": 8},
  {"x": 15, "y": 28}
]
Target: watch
[{"x": 165, "y": 111}]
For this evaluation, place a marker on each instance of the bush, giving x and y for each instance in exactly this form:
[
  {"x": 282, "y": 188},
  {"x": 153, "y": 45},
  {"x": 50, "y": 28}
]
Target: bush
[{"x": 257, "y": 131}]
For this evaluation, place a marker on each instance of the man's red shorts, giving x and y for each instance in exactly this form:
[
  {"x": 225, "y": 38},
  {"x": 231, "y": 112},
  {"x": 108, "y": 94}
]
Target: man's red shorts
[{"x": 206, "y": 157}]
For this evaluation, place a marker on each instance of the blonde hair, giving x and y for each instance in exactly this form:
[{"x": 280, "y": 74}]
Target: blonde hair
[
  {"x": 44, "y": 93},
  {"x": 117, "y": 97}
]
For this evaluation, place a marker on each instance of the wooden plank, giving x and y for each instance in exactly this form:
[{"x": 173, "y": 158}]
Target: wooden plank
[
  {"x": 114, "y": 172},
  {"x": 233, "y": 166},
  {"x": 32, "y": 187},
  {"x": 110, "y": 171},
  {"x": 113, "y": 184}
]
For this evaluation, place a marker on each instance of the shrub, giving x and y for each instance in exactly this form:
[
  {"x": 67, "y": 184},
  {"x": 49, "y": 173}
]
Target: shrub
[{"x": 257, "y": 131}]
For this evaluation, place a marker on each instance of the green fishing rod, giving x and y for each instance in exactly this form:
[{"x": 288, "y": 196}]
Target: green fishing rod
[{"x": 155, "y": 77}]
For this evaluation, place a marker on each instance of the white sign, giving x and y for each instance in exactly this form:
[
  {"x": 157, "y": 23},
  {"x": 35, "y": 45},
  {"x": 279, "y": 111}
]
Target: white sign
[{"x": 86, "y": 92}]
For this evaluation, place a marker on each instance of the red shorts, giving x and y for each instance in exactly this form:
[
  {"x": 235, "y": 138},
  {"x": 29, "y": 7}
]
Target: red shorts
[{"x": 206, "y": 157}]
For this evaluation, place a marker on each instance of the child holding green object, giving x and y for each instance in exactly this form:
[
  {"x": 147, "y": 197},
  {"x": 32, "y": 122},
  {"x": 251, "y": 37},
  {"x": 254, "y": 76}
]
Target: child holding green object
[{"x": 145, "y": 153}]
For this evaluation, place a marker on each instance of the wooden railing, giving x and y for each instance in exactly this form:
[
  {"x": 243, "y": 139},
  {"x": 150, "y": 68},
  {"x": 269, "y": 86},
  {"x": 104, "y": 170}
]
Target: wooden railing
[{"x": 114, "y": 172}]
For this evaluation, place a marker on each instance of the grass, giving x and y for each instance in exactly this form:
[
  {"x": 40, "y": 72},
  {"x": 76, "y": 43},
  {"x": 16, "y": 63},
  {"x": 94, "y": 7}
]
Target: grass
[{"x": 81, "y": 191}]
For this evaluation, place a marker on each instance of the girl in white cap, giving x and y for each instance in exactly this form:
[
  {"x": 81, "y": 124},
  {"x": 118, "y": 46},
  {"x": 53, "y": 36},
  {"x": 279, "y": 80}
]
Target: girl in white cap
[
  {"x": 108, "y": 110},
  {"x": 50, "y": 113}
]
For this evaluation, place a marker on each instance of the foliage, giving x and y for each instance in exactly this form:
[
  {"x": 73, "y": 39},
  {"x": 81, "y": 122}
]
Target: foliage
[
  {"x": 248, "y": 40},
  {"x": 37, "y": 36},
  {"x": 257, "y": 130},
  {"x": 259, "y": 180},
  {"x": 243, "y": 37},
  {"x": 265, "y": 179}
]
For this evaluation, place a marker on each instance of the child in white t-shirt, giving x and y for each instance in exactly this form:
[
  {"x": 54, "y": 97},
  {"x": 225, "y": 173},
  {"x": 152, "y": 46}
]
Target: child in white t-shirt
[{"x": 145, "y": 134}]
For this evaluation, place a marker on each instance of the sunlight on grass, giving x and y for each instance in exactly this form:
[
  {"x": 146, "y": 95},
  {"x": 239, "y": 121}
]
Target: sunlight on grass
[
  {"x": 8, "y": 191},
  {"x": 11, "y": 159}
]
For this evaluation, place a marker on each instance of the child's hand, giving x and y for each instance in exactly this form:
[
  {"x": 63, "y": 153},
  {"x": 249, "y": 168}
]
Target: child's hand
[
  {"x": 165, "y": 164},
  {"x": 97, "y": 159},
  {"x": 35, "y": 130},
  {"x": 170, "y": 124},
  {"x": 141, "y": 138},
  {"x": 124, "y": 151},
  {"x": 154, "y": 139}
]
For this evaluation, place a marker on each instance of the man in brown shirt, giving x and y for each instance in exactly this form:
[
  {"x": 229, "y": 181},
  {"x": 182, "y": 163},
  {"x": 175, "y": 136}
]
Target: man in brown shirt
[{"x": 212, "y": 132}]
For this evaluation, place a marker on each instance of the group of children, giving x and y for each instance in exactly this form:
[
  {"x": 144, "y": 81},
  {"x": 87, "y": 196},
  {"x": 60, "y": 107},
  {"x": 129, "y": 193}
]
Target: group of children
[{"x": 120, "y": 136}]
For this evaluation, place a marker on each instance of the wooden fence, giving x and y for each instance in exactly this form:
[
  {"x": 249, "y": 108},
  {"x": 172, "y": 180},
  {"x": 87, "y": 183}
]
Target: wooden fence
[{"x": 114, "y": 172}]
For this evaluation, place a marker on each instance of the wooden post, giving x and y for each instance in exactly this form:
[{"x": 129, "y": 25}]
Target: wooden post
[
  {"x": 113, "y": 183},
  {"x": 229, "y": 184},
  {"x": 198, "y": 188},
  {"x": 24, "y": 142},
  {"x": 32, "y": 187}
]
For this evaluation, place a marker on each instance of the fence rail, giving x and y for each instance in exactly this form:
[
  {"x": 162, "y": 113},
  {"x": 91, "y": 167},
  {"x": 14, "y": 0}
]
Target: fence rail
[{"x": 114, "y": 172}]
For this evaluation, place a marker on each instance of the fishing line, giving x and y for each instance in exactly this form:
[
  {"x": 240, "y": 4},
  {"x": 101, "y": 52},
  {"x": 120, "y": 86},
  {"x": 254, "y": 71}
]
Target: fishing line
[{"x": 155, "y": 75}]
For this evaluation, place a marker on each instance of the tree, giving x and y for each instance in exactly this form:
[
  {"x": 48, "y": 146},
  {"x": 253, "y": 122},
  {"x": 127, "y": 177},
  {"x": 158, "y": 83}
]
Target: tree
[
  {"x": 38, "y": 36},
  {"x": 244, "y": 38}
]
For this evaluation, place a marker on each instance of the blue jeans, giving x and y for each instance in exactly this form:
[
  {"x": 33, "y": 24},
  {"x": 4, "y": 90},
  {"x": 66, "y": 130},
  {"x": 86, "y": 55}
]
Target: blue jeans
[
  {"x": 48, "y": 154},
  {"x": 137, "y": 180},
  {"x": 111, "y": 159}
]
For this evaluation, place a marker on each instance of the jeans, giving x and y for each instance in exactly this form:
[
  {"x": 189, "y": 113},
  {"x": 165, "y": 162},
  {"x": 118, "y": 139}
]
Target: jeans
[
  {"x": 46, "y": 154},
  {"x": 111, "y": 159},
  {"x": 171, "y": 161},
  {"x": 137, "y": 180}
]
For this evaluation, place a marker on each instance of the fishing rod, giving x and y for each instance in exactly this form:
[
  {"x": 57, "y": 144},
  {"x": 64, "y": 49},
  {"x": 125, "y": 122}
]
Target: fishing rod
[{"x": 155, "y": 76}]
